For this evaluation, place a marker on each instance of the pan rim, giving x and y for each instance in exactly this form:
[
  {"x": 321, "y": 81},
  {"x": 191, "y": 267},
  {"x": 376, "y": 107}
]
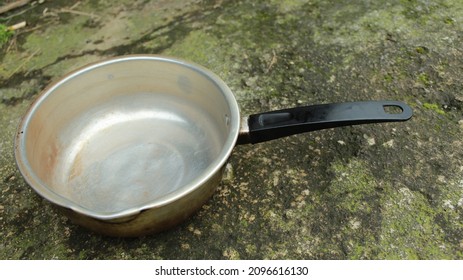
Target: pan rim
[{"x": 46, "y": 192}]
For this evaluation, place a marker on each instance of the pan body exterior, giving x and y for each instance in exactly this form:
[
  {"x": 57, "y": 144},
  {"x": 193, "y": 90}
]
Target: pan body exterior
[
  {"x": 152, "y": 220},
  {"x": 131, "y": 145}
]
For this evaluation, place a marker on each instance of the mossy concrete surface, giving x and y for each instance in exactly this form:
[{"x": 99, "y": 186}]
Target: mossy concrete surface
[{"x": 379, "y": 191}]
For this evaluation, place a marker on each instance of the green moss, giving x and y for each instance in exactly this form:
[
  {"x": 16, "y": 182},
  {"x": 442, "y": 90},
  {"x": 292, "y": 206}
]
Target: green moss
[
  {"x": 353, "y": 187},
  {"x": 197, "y": 46},
  {"x": 45, "y": 48},
  {"x": 289, "y": 5},
  {"x": 418, "y": 9},
  {"x": 357, "y": 217},
  {"x": 5, "y": 34},
  {"x": 412, "y": 21},
  {"x": 339, "y": 221},
  {"x": 422, "y": 50},
  {"x": 408, "y": 227},
  {"x": 449, "y": 21},
  {"x": 205, "y": 49},
  {"x": 424, "y": 79},
  {"x": 388, "y": 78},
  {"x": 434, "y": 107},
  {"x": 65, "y": 38}
]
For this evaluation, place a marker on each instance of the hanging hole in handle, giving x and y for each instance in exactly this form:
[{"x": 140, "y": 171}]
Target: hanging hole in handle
[{"x": 393, "y": 109}]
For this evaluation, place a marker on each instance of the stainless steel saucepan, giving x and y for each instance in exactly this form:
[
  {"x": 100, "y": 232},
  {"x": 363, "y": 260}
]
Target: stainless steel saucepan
[{"x": 136, "y": 144}]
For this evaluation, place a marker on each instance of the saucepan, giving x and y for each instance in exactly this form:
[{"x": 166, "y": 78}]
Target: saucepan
[{"x": 136, "y": 144}]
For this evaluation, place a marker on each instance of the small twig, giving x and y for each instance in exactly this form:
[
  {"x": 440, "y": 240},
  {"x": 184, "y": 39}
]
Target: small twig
[
  {"x": 74, "y": 6},
  {"x": 17, "y": 26},
  {"x": 272, "y": 62},
  {"x": 23, "y": 11},
  {"x": 30, "y": 29},
  {"x": 14, "y": 5},
  {"x": 11, "y": 44}
]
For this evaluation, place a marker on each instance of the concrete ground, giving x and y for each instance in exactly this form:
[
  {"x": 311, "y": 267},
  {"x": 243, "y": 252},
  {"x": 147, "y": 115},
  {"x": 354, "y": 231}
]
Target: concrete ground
[{"x": 379, "y": 191}]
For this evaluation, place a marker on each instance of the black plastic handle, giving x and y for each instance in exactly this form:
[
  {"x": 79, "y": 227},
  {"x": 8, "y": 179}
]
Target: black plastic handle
[{"x": 276, "y": 124}]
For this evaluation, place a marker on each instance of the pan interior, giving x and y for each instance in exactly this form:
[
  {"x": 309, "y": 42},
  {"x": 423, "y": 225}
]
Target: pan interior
[
  {"x": 125, "y": 134},
  {"x": 133, "y": 150}
]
